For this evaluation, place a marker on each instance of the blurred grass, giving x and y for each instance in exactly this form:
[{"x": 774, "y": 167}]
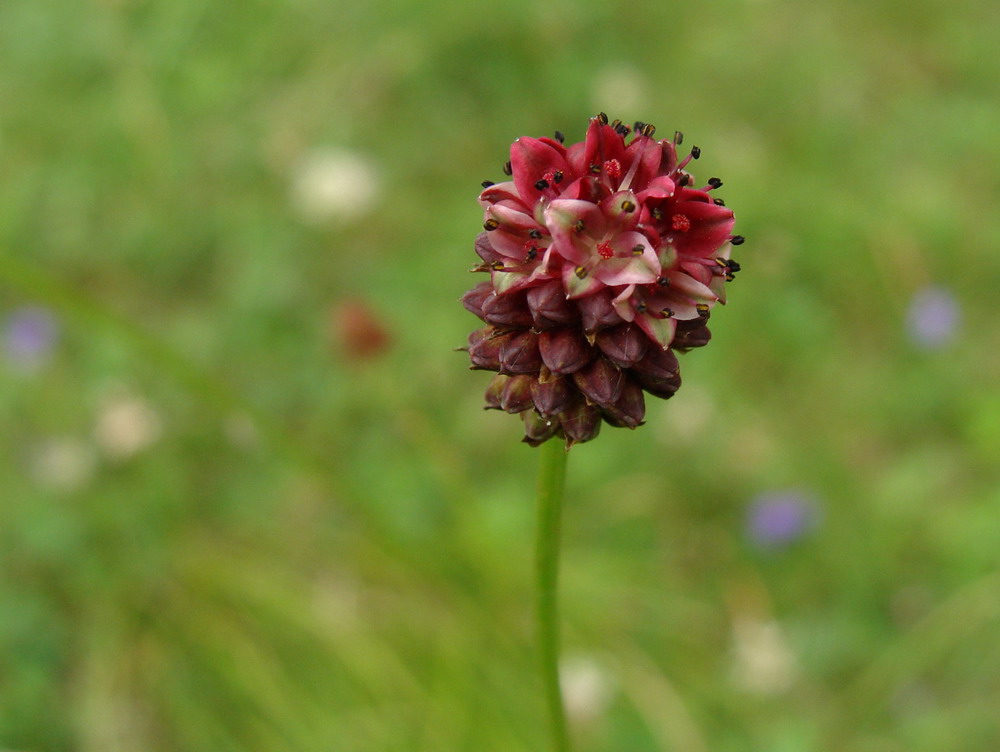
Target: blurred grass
[{"x": 318, "y": 553}]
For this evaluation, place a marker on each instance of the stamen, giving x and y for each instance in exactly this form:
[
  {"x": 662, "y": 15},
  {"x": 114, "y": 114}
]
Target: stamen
[
  {"x": 737, "y": 240},
  {"x": 695, "y": 152},
  {"x": 662, "y": 281},
  {"x": 733, "y": 266},
  {"x": 678, "y": 138},
  {"x": 628, "y": 206},
  {"x": 532, "y": 253},
  {"x": 656, "y": 213},
  {"x": 497, "y": 266},
  {"x": 557, "y": 177},
  {"x": 580, "y": 272},
  {"x": 648, "y": 130},
  {"x": 718, "y": 202},
  {"x": 713, "y": 183},
  {"x": 702, "y": 309},
  {"x": 683, "y": 180},
  {"x": 640, "y": 306},
  {"x": 508, "y": 169},
  {"x": 638, "y": 125},
  {"x": 487, "y": 183},
  {"x": 578, "y": 226},
  {"x": 602, "y": 118},
  {"x": 637, "y": 250},
  {"x": 536, "y": 234},
  {"x": 541, "y": 184},
  {"x": 560, "y": 137},
  {"x": 667, "y": 313},
  {"x": 490, "y": 225}
]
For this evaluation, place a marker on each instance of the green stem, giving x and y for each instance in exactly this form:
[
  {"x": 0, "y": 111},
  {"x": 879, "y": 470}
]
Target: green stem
[{"x": 551, "y": 481}]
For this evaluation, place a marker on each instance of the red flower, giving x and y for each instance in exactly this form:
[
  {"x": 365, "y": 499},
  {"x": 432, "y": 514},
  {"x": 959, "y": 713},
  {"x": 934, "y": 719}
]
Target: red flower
[{"x": 602, "y": 259}]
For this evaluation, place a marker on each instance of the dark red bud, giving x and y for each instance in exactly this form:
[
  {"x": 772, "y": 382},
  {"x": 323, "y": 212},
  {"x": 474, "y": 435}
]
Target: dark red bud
[
  {"x": 624, "y": 345},
  {"x": 474, "y": 298},
  {"x": 601, "y": 382},
  {"x": 516, "y": 394},
  {"x": 549, "y": 306},
  {"x": 630, "y": 408},
  {"x": 494, "y": 390},
  {"x": 691, "y": 334},
  {"x": 537, "y": 429},
  {"x": 658, "y": 364},
  {"x": 552, "y": 395},
  {"x": 519, "y": 353},
  {"x": 485, "y": 250},
  {"x": 507, "y": 310},
  {"x": 597, "y": 312},
  {"x": 564, "y": 350},
  {"x": 659, "y": 387},
  {"x": 580, "y": 423},
  {"x": 484, "y": 348}
]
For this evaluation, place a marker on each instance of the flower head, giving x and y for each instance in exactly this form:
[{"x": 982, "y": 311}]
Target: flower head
[{"x": 603, "y": 259}]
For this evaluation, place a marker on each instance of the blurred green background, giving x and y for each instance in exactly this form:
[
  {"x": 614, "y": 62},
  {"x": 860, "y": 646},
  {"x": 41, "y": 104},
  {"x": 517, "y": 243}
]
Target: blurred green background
[{"x": 249, "y": 500}]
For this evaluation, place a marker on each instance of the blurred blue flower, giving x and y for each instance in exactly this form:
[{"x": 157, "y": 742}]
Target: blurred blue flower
[
  {"x": 776, "y": 519},
  {"x": 30, "y": 334},
  {"x": 933, "y": 317}
]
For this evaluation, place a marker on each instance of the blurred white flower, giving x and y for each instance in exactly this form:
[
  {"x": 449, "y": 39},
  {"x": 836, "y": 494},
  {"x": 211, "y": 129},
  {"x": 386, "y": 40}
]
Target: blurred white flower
[
  {"x": 586, "y": 687},
  {"x": 333, "y": 184},
  {"x": 620, "y": 90},
  {"x": 62, "y": 464},
  {"x": 763, "y": 662},
  {"x": 126, "y": 425}
]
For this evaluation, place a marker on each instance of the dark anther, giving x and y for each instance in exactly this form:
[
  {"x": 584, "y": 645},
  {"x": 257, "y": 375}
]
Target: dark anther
[
  {"x": 628, "y": 206},
  {"x": 648, "y": 129},
  {"x": 738, "y": 240},
  {"x": 733, "y": 266},
  {"x": 678, "y": 138},
  {"x": 580, "y": 272},
  {"x": 640, "y": 307},
  {"x": 557, "y": 177},
  {"x": 637, "y": 250},
  {"x": 490, "y": 225},
  {"x": 488, "y": 183},
  {"x": 662, "y": 281},
  {"x": 695, "y": 152},
  {"x": 715, "y": 182},
  {"x": 497, "y": 266},
  {"x": 578, "y": 225},
  {"x": 623, "y": 130},
  {"x": 541, "y": 184},
  {"x": 730, "y": 276},
  {"x": 508, "y": 169},
  {"x": 532, "y": 253},
  {"x": 702, "y": 309},
  {"x": 718, "y": 202},
  {"x": 595, "y": 169},
  {"x": 536, "y": 234},
  {"x": 615, "y": 123},
  {"x": 560, "y": 137},
  {"x": 603, "y": 118},
  {"x": 667, "y": 313},
  {"x": 684, "y": 180},
  {"x": 657, "y": 213}
]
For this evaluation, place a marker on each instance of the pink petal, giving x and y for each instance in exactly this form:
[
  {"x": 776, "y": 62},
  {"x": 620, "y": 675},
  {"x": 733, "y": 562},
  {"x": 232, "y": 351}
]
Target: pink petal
[
  {"x": 661, "y": 187},
  {"x": 602, "y": 144},
  {"x": 692, "y": 288},
  {"x": 661, "y": 331},
  {"x": 532, "y": 159},
  {"x": 624, "y": 271},
  {"x": 579, "y": 287},
  {"x": 711, "y": 225},
  {"x": 649, "y": 154}
]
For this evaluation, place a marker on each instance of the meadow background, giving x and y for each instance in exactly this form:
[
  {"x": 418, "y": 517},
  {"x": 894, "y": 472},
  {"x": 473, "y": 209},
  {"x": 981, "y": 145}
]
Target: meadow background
[{"x": 249, "y": 500}]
